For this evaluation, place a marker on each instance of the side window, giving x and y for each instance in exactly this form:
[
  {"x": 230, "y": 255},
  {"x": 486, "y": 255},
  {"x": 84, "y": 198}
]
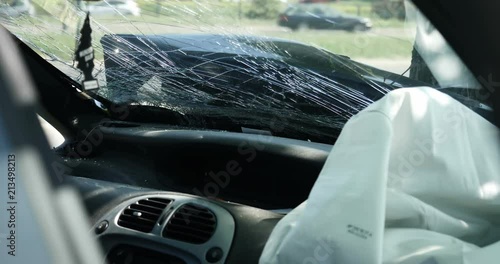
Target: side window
[
  {"x": 318, "y": 11},
  {"x": 333, "y": 12},
  {"x": 291, "y": 11},
  {"x": 300, "y": 11},
  {"x": 116, "y": 2}
]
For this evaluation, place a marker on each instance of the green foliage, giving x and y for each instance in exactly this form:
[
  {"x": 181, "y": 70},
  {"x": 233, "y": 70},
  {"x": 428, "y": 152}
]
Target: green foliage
[
  {"x": 263, "y": 9},
  {"x": 390, "y": 9}
]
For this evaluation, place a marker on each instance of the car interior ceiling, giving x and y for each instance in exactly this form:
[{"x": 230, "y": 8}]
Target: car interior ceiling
[{"x": 127, "y": 163}]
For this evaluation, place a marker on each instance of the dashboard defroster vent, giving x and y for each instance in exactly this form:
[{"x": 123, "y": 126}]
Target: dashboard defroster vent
[
  {"x": 143, "y": 214},
  {"x": 191, "y": 223}
]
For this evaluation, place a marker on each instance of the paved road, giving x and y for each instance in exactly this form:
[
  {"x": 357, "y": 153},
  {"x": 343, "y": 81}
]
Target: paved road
[{"x": 392, "y": 65}]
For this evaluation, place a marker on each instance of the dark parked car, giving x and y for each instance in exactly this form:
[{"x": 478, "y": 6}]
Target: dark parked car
[{"x": 319, "y": 16}]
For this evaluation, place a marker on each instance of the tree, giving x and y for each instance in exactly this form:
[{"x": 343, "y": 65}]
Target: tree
[{"x": 263, "y": 9}]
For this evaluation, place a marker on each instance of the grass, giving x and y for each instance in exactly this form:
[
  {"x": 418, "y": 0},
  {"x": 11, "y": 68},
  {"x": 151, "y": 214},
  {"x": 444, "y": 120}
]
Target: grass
[
  {"x": 232, "y": 10},
  {"x": 358, "y": 8},
  {"x": 176, "y": 8},
  {"x": 355, "y": 45},
  {"x": 227, "y": 20},
  {"x": 223, "y": 17}
]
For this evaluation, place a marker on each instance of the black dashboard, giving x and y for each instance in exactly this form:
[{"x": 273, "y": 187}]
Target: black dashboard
[
  {"x": 161, "y": 195},
  {"x": 138, "y": 225},
  {"x": 262, "y": 171}
]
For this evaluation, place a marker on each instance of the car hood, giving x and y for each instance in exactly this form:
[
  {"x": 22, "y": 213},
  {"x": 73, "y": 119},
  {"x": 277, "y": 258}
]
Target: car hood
[
  {"x": 215, "y": 46},
  {"x": 252, "y": 57},
  {"x": 245, "y": 80}
]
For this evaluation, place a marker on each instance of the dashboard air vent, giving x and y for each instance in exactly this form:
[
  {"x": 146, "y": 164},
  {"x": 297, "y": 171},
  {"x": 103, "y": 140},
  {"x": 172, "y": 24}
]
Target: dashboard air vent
[
  {"x": 142, "y": 215},
  {"x": 192, "y": 224}
]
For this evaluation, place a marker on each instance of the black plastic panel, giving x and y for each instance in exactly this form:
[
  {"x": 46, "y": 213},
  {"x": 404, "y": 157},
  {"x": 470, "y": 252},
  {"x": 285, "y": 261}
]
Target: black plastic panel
[
  {"x": 125, "y": 254},
  {"x": 253, "y": 226},
  {"x": 263, "y": 171}
]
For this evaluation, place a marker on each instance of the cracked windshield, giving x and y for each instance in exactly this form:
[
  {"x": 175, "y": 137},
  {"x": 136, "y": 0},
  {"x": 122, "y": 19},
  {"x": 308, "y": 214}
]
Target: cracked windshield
[{"x": 297, "y": 69}]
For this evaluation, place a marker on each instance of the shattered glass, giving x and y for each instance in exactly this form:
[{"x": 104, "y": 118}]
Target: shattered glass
[{"x": 209, "y": 64}]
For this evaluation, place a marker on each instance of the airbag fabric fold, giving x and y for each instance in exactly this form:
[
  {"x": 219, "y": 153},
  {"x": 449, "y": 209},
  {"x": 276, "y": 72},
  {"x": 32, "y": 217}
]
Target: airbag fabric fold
[{"x": 413, "y": 178}]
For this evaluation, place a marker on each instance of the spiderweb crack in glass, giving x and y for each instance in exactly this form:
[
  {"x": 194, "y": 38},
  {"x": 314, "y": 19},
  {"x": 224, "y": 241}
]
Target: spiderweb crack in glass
[{"x": 197, "y": 58}]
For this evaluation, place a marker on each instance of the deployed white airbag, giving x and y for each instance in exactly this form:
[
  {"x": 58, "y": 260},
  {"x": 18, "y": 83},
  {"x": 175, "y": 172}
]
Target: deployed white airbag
[{"x": 413, "y": 178}]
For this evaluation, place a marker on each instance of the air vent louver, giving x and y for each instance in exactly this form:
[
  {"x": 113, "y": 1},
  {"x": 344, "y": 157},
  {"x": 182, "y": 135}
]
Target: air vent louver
[
  {"x": 192, "y": 224},
  {"x": 142, "y": 215}
]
